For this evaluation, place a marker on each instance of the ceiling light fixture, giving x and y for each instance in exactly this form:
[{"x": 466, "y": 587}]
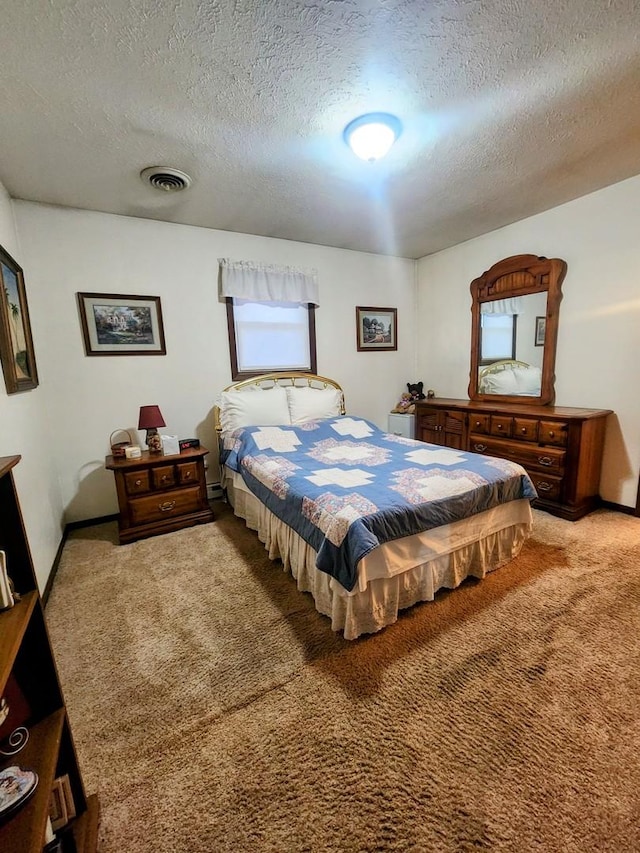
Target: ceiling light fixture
[{"x": 371, "y": 136}]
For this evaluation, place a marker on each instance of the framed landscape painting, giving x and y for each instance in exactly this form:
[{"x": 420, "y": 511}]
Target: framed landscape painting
[
  {"x": 113, "y": 324},
  {"x": 377, "y": 328},
  {"x": 16, "y": 345}
]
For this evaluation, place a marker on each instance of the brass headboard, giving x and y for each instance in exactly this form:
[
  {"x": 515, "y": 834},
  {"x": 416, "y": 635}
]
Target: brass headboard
[{"x": 269, "y": 380}]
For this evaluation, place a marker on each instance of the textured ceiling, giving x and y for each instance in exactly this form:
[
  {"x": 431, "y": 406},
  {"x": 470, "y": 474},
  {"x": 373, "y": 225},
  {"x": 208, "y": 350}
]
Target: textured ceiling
[{"x": 509, "y": 107}]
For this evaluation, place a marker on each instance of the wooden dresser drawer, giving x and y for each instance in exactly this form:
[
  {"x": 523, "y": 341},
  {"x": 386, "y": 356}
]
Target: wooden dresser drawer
[
  {"x": 547, "y": 487},
  {"x": 529, "y": 456},
  {"x": 137, "y": 482},
  {"x": 162, "y": 505},
  {"x": 501, "y": 425},
  {"x": 479, "y": 423},
  {"x": 526, "y": 429},
  {"x": 553, "y": 432}
]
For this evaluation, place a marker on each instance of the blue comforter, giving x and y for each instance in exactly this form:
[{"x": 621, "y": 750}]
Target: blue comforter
[{"x": 346, "y": 487}]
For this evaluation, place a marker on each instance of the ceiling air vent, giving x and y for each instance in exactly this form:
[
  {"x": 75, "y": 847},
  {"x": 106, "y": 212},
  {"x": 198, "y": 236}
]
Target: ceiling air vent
[{"x": 166, "y": 179}]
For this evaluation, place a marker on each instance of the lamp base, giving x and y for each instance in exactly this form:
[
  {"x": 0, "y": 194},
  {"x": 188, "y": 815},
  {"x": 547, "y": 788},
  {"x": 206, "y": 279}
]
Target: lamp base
[{"x": 154, "y": 442}]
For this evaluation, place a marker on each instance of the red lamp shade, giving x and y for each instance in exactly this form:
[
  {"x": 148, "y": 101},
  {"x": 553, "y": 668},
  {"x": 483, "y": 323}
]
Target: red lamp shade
[{"x": 150, "y": 417}]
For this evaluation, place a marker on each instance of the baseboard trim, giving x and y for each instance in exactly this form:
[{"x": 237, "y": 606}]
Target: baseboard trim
[
  {"x": 73, "y": 525},
  {"x": 627, "y": 510}
]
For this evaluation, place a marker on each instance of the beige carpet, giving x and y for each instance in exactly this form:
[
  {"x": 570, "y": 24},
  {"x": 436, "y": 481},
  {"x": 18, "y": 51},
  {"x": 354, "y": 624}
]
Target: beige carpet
[{"x": 214, "y": 710}]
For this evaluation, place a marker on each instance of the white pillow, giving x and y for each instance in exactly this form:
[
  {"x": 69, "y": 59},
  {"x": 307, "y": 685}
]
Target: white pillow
[
  {"x": 266, "y": 407},
  {"x": 527, "y": 380},
  {"x": 310, "y": 404},
  {"x": 502, "y": 382}
]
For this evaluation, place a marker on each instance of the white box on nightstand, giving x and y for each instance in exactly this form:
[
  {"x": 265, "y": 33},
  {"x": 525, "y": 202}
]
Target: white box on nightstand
[{"x": 404, "y": 425}]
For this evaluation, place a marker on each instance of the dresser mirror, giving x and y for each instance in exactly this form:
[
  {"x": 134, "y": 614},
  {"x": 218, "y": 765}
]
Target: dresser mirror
[{"x": 515, "y": 307}]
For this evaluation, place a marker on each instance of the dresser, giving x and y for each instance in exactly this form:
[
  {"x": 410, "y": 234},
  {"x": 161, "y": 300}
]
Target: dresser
[
  {"x": 158, "y": 494},
  {"x": 560, "y": 447}
]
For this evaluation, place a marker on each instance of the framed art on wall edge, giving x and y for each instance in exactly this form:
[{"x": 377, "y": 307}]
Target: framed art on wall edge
[
  {"x": 377, "y": 328},
  {"x": 113, "y": 324},
  {"x": 16, "y": 345}
]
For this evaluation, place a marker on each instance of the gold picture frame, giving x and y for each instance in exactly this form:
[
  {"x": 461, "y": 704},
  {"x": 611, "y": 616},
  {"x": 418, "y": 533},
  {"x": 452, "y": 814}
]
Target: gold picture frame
[{"x": 16, "y": 344}]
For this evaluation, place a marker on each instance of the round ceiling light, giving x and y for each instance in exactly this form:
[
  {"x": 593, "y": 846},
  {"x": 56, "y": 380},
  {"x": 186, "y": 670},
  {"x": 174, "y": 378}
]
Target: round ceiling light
[
  {"x": 165, "y": 178},
  {"x": 371, "y": 136}
]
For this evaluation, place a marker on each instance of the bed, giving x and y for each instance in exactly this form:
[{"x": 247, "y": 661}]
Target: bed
[
  {"x": 367, "y": 522},
  {"x": 510, "y": 376}
]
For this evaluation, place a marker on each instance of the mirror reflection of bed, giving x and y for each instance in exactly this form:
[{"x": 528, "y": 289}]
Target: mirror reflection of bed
[
  {"x": 367, "y": 522},
  {"x": 509, "y": 376}
]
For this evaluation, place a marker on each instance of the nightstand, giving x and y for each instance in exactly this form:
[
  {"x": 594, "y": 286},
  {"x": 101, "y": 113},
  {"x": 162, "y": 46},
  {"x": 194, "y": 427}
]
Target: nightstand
[
  {"x": 404, "y": 425},
  {"x": 158, "y": 494}
]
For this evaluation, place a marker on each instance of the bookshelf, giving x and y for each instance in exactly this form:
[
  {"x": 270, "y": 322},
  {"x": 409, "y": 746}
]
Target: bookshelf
[{"x": 27, "y": 660}]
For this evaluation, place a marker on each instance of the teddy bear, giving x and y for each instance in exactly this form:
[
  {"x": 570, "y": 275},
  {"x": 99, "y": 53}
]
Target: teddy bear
[
  {"x": 415, "y": 390},
  {"x": 406, "y": 404}
]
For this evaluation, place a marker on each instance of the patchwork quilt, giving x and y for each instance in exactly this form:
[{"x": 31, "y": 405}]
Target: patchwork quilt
[{"x": 346, "y": 487}]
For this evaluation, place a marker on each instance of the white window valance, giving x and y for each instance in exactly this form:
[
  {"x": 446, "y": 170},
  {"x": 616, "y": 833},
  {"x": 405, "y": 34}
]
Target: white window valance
[
  {"x": 513, "y": 305},
  {"x": 268, "y": 282}
]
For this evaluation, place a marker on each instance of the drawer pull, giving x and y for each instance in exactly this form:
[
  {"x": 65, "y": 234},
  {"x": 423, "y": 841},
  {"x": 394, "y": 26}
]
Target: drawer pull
[
  {"x": 552, "y": 434},
  {"x": 499, "y": 426},
  {"x": 543, "y": 486},
  {"x": 187, "y": 476},
  {"x": 480, "y": 447},
  {"x": 478, "y": 423},
  {"x": 138, "y": 482},
  {"x": 167, "y": 506},
  {"x": 164, "y": 478},
  {"x": 523, "y": 430},
  {"x": 545, "y": 460}
]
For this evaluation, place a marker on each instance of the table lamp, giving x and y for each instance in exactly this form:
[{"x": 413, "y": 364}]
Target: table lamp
[{"x": 150, "y": 419}]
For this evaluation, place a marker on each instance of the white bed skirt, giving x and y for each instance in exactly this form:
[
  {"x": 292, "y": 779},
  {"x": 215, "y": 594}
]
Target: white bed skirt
[{"x": 396, "y": 575}]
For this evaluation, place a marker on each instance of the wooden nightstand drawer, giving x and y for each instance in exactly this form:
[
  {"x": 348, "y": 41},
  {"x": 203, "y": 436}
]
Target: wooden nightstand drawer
[
  {"x": 187, "y": 473},
  {"x": 137, "y": 482},
  {"x": 164, "y": 505},
  {"x": 163, "y": 477}
]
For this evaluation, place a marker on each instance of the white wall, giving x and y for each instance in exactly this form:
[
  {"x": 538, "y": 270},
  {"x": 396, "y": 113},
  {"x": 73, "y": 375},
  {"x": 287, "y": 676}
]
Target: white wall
[
  {"x": 69, "y": 251},
  {"x": 25, "y": 431},
  {"x": 598, "y": 356}
]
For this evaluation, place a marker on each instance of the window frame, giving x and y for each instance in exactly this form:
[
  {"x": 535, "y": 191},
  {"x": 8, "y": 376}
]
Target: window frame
[{"x": 237, "y": 375}]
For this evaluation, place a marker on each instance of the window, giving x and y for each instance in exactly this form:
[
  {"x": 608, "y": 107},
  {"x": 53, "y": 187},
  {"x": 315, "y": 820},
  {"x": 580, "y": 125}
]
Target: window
[
  {"x": 498, "y": 337},
  {"x": 267, "y": 337}
]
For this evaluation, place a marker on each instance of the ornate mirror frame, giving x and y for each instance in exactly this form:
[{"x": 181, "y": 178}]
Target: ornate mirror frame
[{"x": 519, "y": 275}]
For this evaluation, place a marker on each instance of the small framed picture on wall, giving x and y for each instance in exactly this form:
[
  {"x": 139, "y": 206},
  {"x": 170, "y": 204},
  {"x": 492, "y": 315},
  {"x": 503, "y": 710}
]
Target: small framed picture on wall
[
  {"x": 377, "y": 328},
  {"x": 541, "y": 327}
]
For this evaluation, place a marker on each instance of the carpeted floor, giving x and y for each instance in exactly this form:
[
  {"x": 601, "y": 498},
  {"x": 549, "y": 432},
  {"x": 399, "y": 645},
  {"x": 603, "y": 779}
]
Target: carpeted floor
[{"x": 215, "y": 711}]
